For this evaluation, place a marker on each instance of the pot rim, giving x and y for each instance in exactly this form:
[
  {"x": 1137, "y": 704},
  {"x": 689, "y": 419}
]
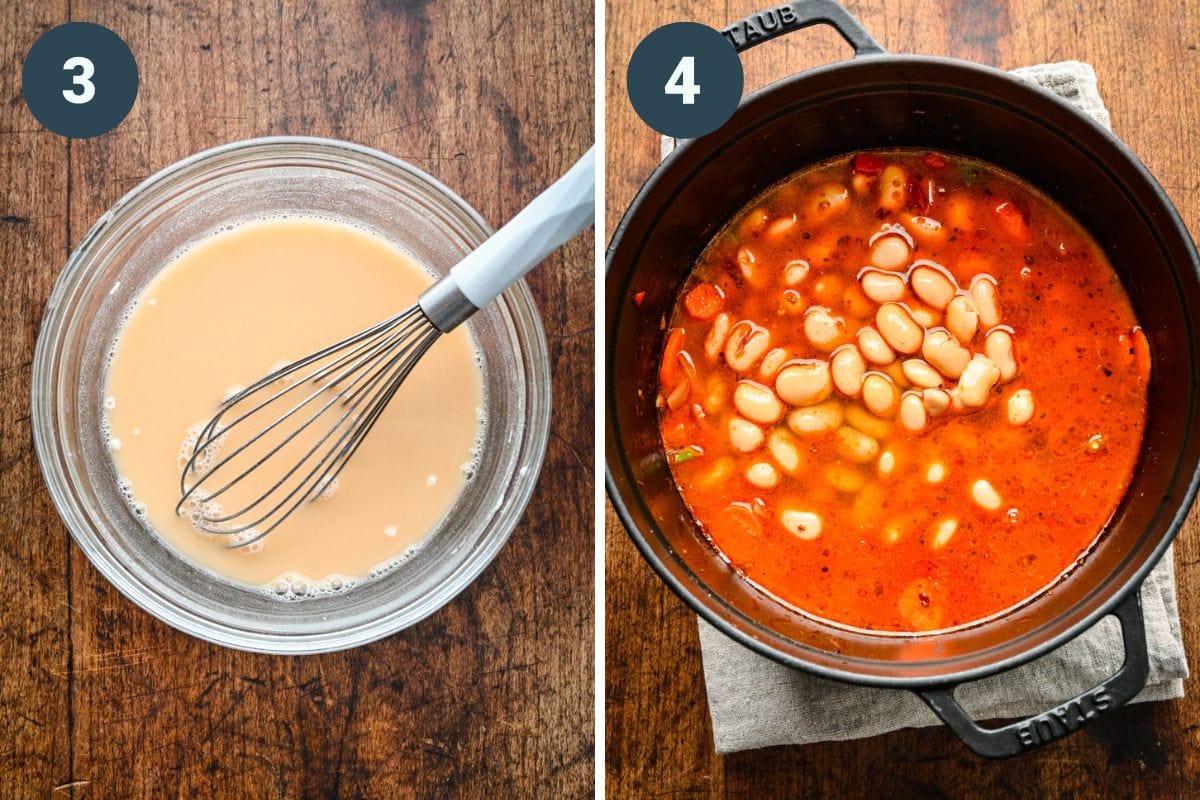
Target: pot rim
[{"x": 1178, "y": 508}]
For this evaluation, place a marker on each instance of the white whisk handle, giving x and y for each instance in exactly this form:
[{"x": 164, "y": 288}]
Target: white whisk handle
[{"x": 554, "y": 216}]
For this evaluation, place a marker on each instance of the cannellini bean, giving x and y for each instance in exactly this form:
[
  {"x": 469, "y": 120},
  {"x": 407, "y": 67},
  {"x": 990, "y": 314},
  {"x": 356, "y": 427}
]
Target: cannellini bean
[
  {"x": 936, "y": 473},
  {"x": 780, "y": 226},
  {"x": 944, "y": 352},
  {"x": 753, "y": 221},
  {"x": 932, "y": 285},
  {"x": 856, "y": 445},
  {"x": 893, "y": 187},
  {"x": 880, "y": 395},
  {"x": 747, "y": 343},
  {"x": 856, "y": 302},
  {"x": 860, "y": 183},
  {"x": 925, "y": 229},
  {"x": 962, "y": 319},
  {"x": 882, "y": 287},
  {"x": 912, "y": 412},
  {"x": 890, "y": 252},
  {"x": 772, "y": 362},
  {"x": 795, "y": 272},
  {"x": 747, "y": 262},
  {"x": 823, "y": 329},
  {"x": 887, "y": 463},
  {"x": 920, "y": 374},
  {"x": 1020, "y": 407},
  {"x": 985, "y": 495},
  {"x": 811, "y": 420},
  {"x": 983, "y": 293},
  {"x": 892, "y": 532},
  {"x": 783, "y": 449},
  {"x": 845, "y": 478},
  {"x": 936, "y": 401},
  {"x": 898, "y": 328},
  {"x": 830, "y": 199},
  {"x": 744, "y": 435},
  {"x": 801, "y": 524},
  {"x": 714, "y": 343},
  {"x": 977, "y": 380},
  {"x": 757, "y": 403},
  {"x": 956, "y": 402},
  {"x": 943, "y": 532},
  {"x": 926, "y": 317},
  {"x": 998, "y": 345},
  {"x": 874, "y": 348},
  {"x": 895, "y": 371},
  {"x": 792, "y": 303},
  {"x": 847, "y": 368},
  {"x": 804, "y": 383},
  {"x": 828, "y": 289},
  {"x": 717, "y": 474},
  {"x": 762, "y": 475},
  {"x": 868, "y": 505},
  {"x": 859, "y": 418}
]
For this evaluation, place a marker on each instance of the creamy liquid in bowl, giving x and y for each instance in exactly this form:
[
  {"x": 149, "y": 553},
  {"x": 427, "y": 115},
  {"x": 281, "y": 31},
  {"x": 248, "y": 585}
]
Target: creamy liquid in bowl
[{"x": 234, "y": 306}]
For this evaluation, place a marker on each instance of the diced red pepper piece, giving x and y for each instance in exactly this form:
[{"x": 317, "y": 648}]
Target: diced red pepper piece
[
  {"x": 669, "y": 370},
  {"x": 920, "y": 195},
  {"x": 934, "y": 160},
  {"x": 638, "y": 298},
  {"x": 704, "y": 301},
  {"x": 868, "y": 164},
  {"x": 1013, "y": 215}
]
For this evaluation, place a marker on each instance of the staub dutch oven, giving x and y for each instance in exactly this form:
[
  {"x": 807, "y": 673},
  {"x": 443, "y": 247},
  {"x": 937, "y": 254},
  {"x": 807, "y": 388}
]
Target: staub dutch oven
[{"x": 881, "y": 100}]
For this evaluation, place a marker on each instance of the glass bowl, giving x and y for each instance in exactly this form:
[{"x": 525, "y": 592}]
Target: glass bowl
[{"x": 130, "y": 243}]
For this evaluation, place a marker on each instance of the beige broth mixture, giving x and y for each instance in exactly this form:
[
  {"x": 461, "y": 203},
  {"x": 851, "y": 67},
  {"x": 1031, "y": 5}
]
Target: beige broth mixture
[{"x": 231, "y": 308}]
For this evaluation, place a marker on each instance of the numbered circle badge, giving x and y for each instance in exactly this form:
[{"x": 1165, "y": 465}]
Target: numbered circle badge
[
  {"x": 79, "y": 80},
  {"x": 685, "y": 80}
]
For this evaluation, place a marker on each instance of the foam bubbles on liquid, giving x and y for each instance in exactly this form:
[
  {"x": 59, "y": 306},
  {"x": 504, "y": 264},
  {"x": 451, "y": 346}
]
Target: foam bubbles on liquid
[{"x": 291, "y": 587}]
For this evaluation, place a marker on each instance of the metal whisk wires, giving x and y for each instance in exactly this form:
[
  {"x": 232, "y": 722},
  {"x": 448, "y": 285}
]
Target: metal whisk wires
[{"x": 337, "y": 394}]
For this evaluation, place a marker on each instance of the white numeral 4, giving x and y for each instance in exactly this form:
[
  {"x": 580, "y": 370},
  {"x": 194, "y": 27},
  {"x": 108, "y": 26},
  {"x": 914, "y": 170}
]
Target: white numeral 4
[
  {"x": 85, "y": 90},
  {"x": 683, "y": 81}
]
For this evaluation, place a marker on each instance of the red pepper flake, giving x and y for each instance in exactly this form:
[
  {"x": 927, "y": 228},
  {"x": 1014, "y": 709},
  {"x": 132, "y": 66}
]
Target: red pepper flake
[
  {"x": 934, "y": 160},
  {"x": 638, "y": 298},
  {"x": 868, "y": 164}
]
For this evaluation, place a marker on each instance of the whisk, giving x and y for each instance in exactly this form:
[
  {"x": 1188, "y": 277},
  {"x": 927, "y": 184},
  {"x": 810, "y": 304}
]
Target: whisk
[{"x": 347, "y": 385}]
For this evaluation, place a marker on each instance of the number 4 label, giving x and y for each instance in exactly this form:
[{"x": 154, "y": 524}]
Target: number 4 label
[{"x": 683, "y": 81}]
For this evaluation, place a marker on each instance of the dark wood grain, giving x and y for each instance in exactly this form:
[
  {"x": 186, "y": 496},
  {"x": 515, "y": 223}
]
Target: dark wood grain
[
  {"x": 490, "y": 697},
  {"x": 659, "y": 739}
]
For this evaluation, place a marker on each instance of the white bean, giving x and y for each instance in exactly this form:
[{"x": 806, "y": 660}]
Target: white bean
[
  {"x": 795, "y": 272},
  {"x": 744, "y": 435},
  {"x": 1020, "y": 407},
  {"x": 936, "y": 401},
  {"x": 983, "y": 293},
  {"x": 863, "y": 420},
  {"x": 784, "y": 450},
  {"x": 932, "y": 285},
  {"x": 985, "y": 495},
  {"x": 890, "y": 252},
  {"x": 772, "y": 362},
  {"x": 762, "y": 475},
  {"x": 801, "y": 524},
  {"x": 747, "y": 343},
  {"x": 714, "y": 343},
  {"x": 936, "y": 473},
  {"x": 977, "y": 381},
  {"x": 746, "y": 262},
  {"x": 823, "y": 329},
  {"x": 830, "y": 199},
  {"x": 882, "y": 287},
  {"x": 811, "y": 420},
  {"x": 804, "y": 383},
  {"x": 898, "y": 328},
  {"x": 962, "y": 319},
  {"x": 943, "y": 531},
  {"x": 926, "y": 317},
  {"x": 998, "y": 345},
  {"x": 780, "y": 226},
  {"x": 874, "y": 348},
  {"x": 942, "y": 351},
  {"x": 919, "y": 373},
  {"x": 880, "y": 395},
  {"x": 845, "y": 478},
  {"x": 856, "y": 446},
  {"x": 847, "y": 368},
  {"x": 757, "y": 403},
  {"x": 887, "y": 462},
  {"x": 912, "y": 412},
  {"x": 893, "y": 187}
]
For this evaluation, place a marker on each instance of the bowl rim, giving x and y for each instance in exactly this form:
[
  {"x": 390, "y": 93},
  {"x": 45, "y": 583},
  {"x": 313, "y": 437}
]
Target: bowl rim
[
  {"x": 523, "y": 322},
  {"x": 1178, "y": 508}
]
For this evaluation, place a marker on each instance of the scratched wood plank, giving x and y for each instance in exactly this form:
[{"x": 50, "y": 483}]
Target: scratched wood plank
[
  {"x": 658, "y": 733},
  {"x": 34, "y": 706},
  {"x": 492, "y": 696}
]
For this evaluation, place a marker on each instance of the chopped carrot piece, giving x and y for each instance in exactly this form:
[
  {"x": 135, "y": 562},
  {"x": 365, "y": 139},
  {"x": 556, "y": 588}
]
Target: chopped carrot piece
[
  {"x": 669, "y": 371},
  {"x": 704, "y": 301}
]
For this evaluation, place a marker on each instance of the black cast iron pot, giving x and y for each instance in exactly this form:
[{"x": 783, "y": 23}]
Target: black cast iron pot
[{"x": 881, "y": 100}]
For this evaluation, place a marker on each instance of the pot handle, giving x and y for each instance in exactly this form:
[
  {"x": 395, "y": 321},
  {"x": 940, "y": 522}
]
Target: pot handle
[
  {"x": 1027, "y": 734},
  {"x": 787, "y": 17}
]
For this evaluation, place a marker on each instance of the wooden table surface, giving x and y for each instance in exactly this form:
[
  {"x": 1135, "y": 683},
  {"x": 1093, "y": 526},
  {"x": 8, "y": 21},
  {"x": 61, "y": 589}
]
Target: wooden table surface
[
  {"x": 659, "y": 739},
  {"x": 491, "y": 696}
]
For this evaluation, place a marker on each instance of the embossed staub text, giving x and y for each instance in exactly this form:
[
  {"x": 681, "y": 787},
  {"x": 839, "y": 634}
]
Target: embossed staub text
[
  {"x": 760, "y": 25},
  {"x": 1070, "y": 716}
]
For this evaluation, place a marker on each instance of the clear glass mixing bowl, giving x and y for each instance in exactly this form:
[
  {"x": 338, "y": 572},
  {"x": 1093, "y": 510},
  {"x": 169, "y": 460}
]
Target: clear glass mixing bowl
[{"x": 132, "y": 242}]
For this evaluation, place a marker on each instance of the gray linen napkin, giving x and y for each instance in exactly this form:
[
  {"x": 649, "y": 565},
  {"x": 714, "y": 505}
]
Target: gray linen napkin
[{"x": 756, "y": 702}]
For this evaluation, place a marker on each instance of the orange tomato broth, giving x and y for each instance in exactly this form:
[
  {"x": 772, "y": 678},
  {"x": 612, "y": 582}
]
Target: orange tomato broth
[{"x": 1060, "y": 476}]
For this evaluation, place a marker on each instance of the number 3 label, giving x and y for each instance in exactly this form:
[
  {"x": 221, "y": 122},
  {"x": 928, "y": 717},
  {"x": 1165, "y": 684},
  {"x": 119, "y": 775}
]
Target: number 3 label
[
  {"x": 84, "y": 89},
  {"x": 683, "y": 81}
]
